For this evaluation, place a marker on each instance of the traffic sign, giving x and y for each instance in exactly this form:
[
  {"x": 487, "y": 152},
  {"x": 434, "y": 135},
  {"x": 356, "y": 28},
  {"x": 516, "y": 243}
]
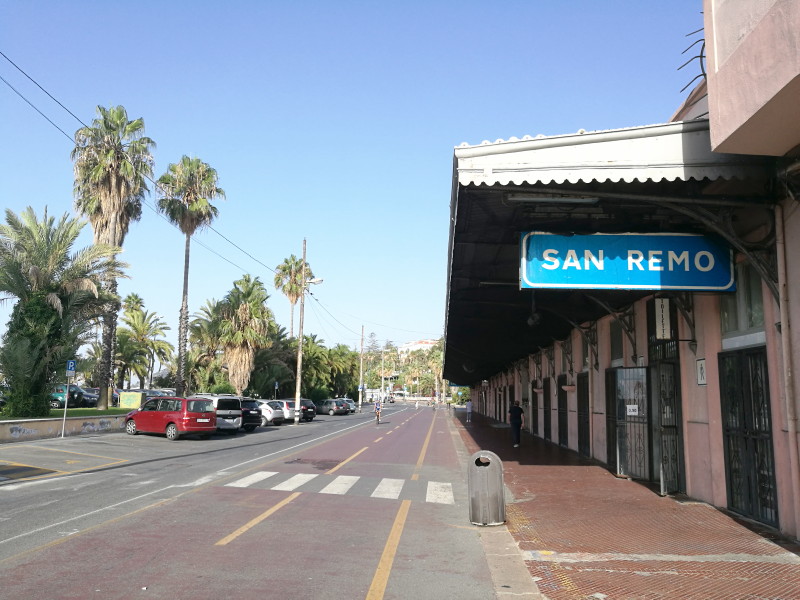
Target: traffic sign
[{"x": 71, "y": 368}]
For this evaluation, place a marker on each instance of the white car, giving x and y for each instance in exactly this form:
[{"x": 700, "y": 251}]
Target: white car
[
  {"x": 271, "y": 412},
  {"x": 288, "y": 408}
]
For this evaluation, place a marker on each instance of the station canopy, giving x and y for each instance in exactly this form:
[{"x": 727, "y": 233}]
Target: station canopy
[{"x": 653, "y": 179}]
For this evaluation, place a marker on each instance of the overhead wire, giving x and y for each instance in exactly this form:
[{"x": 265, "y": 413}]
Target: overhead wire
[{"x": 158, "y": 185}]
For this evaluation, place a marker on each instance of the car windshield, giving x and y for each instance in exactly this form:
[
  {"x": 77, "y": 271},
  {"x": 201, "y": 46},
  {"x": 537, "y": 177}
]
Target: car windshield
[
  {"x": 275, "y": 404},
  {"x": 249, "y": 404},
  {"x": 200, "y": 406}
]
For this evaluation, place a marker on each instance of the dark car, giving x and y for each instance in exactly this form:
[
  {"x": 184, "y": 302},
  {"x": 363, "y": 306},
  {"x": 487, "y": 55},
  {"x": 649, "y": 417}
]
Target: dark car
[
  {"x": 95, "y": 392},
  {"x": 308, "y": 409},
  {"x": 173, "y": 417},
  {"x": 251, "y": 414},
  {"x": 335, "y": 406}
]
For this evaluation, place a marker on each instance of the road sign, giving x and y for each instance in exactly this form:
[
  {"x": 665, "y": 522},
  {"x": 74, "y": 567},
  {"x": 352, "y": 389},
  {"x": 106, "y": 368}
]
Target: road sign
[
  {"x": 71, "y": 368},
  {"x": 276, "y": 385}
]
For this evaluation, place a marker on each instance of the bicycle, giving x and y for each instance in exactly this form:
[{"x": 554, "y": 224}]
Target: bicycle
[{"x": 377, "y": 417}]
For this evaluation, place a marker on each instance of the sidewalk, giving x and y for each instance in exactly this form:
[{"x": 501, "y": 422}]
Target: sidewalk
[{"x": 586, "y": 534}]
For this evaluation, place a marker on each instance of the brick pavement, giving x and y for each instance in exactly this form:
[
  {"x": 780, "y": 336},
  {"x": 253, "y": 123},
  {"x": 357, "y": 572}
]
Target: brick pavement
[{"x": 586, "y": 534}]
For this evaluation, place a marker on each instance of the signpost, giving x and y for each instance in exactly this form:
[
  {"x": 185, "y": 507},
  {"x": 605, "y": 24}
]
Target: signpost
[{"x": 70, "y": 375}]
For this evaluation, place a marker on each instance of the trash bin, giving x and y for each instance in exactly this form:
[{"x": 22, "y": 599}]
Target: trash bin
[{"x": 487, "y": 504}]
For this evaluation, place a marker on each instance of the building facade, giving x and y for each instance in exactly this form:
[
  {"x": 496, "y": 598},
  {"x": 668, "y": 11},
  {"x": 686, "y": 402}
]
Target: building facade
[{"x": 688, "y": 388}]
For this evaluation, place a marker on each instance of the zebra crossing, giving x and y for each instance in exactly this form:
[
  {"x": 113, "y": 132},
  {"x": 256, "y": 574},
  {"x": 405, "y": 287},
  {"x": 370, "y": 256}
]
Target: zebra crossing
[{"x": 434, "y": 492}]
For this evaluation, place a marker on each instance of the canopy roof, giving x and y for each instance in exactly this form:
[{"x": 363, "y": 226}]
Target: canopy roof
[{"x": 657, "y": 178}]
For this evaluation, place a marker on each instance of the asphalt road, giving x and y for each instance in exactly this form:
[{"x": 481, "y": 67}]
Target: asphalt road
[{"x": 336, "y": 508}]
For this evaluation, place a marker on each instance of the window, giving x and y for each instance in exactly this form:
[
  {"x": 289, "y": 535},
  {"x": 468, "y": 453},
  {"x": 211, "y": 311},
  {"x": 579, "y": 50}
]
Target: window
[{"x": 742, "y": 311}]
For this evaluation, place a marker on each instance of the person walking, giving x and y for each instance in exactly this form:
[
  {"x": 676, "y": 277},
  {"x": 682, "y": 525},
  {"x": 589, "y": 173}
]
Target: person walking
[
  {"x": 416, "y": 405},
  {"x": 469, "y": 411},
  {"x": 517, "y": 418}
]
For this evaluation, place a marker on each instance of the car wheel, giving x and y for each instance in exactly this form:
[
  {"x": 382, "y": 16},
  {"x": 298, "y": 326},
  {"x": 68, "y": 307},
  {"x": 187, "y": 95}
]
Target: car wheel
[
  {"x": 55, "y": 404},
  {"x": 331, "y": 412},
  {"x": 264, "y": 421},
  {"x": 130, "y": 427},
  {"x": 249, "y": 428},
  {"x": 172, "y": 432}
]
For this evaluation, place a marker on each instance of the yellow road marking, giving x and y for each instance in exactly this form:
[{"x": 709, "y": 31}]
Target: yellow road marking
[
  {"x": 256, "y": 521},
  {"x": 424, "y": 450},
  {"x": 378, "y": 440},
  {"x": 381, "y": 577},
  {"x": 344, "y": 462}
]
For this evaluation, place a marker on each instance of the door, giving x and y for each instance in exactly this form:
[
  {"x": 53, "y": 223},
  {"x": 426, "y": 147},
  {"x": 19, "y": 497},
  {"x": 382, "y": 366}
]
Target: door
[
  {"x": 546, "y": 408},
  {"x": 747, "y": 433},
  {"x": 626, "y": 404},
  {"x": 584, "y": 447},
  {"x": 666, "y": 447},
  {"x": 563, "y": 412}
]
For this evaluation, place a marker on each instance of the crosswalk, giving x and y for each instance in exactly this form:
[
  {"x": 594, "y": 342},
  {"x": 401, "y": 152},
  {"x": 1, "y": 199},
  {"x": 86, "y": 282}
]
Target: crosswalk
[{"x": 434, "y": 492}]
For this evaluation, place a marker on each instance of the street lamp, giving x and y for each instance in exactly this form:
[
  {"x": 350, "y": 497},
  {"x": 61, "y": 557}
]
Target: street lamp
[{"x": 303, "y": 283}]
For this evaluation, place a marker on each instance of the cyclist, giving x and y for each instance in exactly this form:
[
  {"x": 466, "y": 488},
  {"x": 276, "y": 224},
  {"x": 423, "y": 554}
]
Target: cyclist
[{"x": 378, "y": 411}]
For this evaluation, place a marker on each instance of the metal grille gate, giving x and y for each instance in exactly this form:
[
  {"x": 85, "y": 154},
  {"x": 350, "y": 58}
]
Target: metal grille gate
[
  {"x": 747, "y": 429},
  {"x": 563, "y": 412},
  {"x": 546, "y": 400},
  {"x": 584, "y": 447},
  {"x": 626, "y": 405}
]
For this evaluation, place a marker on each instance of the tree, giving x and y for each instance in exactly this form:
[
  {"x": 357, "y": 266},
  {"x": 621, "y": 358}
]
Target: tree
[
  {"x": 289, "y": 280},
  {"x": 112, "y": 159},
  {"x": 147, "y": 330},
  {"x": 244, "y": 328},
  {"x": 58, "y": 295},
  {"x": 132, "y": 302},
  {"x": 187, "y": 189}
]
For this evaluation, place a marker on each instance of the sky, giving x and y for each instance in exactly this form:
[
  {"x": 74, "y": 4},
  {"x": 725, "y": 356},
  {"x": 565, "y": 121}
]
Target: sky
[{"x": 333, "y": 122}]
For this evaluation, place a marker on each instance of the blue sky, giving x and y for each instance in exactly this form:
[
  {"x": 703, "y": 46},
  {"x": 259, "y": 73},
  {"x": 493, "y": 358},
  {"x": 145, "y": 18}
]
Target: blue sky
[{"x": 330, "y": 121}]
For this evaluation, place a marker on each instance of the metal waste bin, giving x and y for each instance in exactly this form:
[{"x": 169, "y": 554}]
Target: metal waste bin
[{"x": 487, "y": 504}]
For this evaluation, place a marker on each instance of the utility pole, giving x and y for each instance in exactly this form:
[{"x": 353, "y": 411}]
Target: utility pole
[
  {"x": 361, "y": 372},
  {"x": 300, "y": 338}
]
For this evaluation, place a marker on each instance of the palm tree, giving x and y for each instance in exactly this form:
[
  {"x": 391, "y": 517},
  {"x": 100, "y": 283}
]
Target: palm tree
[
  {"x": 289, "y": 280},
  {"x": 244, "y": 329},
  {"x": 58, "y": 295},
  {"x": 147, "y": 330},
  {"x": 112, "y": 159},
  {"x": 132, "y": 302},
  {"x": 187, "y": 189}
]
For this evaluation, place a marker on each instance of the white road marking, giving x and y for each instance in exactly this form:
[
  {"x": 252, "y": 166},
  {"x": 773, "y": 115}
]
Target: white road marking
[
  {"x": 389, "y": 488},
  {"x": 440, "y": 493},
  {"x": 341, "y": 485},
  {"x": 251, "y": 479},
  {"x": 294, "y": 482}
]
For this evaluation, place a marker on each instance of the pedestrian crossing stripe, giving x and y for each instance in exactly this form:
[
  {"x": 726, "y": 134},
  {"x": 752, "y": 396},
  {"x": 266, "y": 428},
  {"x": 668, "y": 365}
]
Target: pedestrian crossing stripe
[{"x": 436, "y": 492}]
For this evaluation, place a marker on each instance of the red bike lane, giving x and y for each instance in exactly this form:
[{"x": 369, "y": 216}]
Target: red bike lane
[{"x": 317, "y": 522}]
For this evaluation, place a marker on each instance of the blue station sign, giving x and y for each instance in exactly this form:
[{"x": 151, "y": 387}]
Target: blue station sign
[{"x": 627, "y": 261}]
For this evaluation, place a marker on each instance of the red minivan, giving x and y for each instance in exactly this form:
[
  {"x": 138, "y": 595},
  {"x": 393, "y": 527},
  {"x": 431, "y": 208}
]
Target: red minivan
[{"x": 173, "y": 417}]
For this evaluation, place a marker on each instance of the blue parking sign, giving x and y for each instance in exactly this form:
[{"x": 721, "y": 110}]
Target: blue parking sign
[{"x": 71, "y": 368}]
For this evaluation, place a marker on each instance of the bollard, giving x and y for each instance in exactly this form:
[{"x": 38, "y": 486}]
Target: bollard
[{"x": 487, "y": 504}]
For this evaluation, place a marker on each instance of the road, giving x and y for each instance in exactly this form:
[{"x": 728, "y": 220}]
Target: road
[{"x": 336, "y": 508}]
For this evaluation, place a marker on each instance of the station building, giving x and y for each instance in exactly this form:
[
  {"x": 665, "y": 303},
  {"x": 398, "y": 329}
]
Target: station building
[{"x": 638, "y": 290}]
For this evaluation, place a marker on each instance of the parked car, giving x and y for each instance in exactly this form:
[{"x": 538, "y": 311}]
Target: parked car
[
  {"x": 288, "y": 408},
  {"x": 333, "y": 406},
  {"x": 251, "y": 414},
  {"x": 229, "y": 411},
  {"x": 173, "y": 417},
  {"x": 271, "y": 412},
  {"x": 350, "y": 403},
  {"x": 308, "y": 409},
  {"x": 90, "y": 399},
  {"x": 62, "y": 394},
  {"x": 96, "y": 392}
]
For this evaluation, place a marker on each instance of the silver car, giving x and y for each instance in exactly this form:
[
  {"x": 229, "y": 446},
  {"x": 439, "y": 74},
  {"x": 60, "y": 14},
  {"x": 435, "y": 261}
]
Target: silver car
[{"x": 288, "y": 408}]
